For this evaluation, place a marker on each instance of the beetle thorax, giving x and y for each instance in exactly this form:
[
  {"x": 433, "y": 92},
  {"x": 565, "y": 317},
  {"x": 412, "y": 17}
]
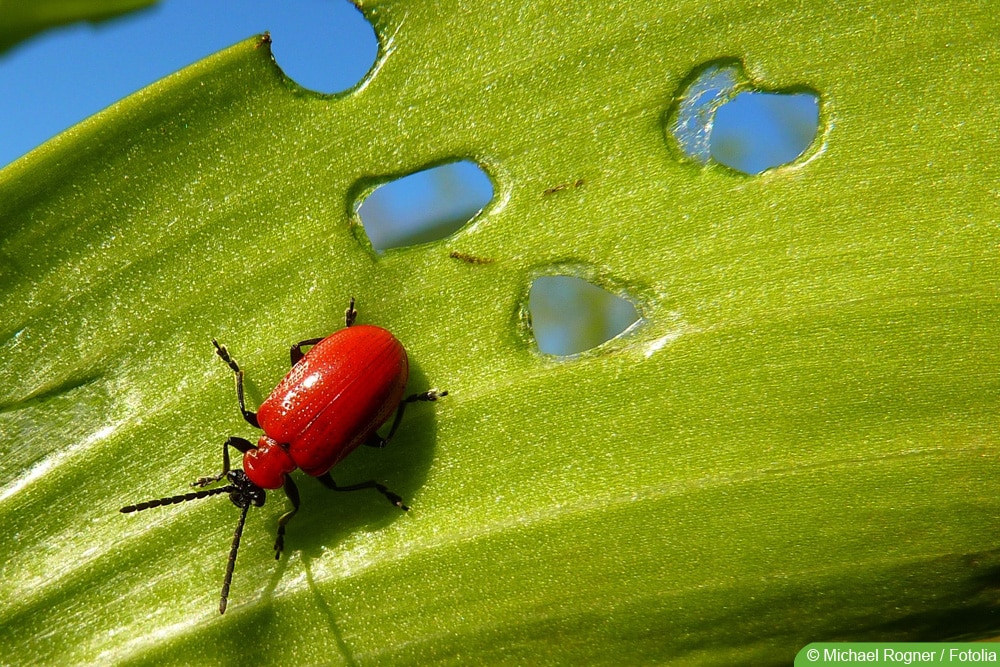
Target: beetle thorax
[{"x": 267, "y": 465}]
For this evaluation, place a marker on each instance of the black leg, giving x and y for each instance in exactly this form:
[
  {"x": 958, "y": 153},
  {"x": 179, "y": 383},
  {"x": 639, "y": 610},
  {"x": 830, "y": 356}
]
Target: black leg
[
  {"x": 296, "y": 352},
  {"x": 327, "y": 481},
  {"x": 292, "y": 492},
  {"x": 223, "y": 353},
  {"x": 350, "y": 314},
  {"x": 375, "y": 440},
  {"x": 239, "y": 444}
]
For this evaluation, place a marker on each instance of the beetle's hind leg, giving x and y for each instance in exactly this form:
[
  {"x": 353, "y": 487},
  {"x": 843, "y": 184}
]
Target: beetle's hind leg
[
  {"x": 223, "y": 353},
  {"x": 377, "y": 441},
  {"x": 327, "y": 481},
  {"x": 350, "y": 314},
  {"x": 296, "y": 353}
]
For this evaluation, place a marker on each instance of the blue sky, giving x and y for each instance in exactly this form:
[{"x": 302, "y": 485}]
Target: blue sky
[{"x": 58, "y": 78}]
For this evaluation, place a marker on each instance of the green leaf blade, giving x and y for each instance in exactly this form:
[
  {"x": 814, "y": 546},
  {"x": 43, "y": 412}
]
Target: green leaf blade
[{"x": 797, "y": 442}]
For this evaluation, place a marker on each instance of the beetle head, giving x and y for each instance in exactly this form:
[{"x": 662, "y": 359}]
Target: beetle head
[{"x": 243, "y": 492}]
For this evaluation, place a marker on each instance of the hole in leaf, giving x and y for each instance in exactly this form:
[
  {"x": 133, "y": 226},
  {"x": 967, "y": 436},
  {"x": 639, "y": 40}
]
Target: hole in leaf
[
  {"x": 570, "y": 315},
  {"x": 759, "y": 131},
  {"x": 695, "y": 110},
  {"x": 425, "y": 206},
  {"x": 718, "y": 117},
  {"x": 324, "y": 46}
]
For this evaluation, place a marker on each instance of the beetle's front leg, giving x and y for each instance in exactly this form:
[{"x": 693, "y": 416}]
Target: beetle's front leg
[
  {"x": 250, "y": 417},
  {"x": 243, "y": 446}
]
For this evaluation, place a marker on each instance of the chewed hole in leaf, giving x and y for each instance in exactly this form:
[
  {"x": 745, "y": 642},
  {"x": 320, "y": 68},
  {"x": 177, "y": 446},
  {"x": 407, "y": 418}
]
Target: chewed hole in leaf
[
  {"x": 759, "y": 131},
  {"x": 570, "y": 315},
  {"x": 327, "y": 47},
  {"x": 694, "y": 112},
  {"x": 425, "y": 206},
  {"x": 718, "y": 117}
]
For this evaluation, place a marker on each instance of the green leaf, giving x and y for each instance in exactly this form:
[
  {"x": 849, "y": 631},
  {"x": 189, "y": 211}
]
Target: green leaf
[
  {"x": 797, "y": 443},
  {"x": 20, "y": 19}
]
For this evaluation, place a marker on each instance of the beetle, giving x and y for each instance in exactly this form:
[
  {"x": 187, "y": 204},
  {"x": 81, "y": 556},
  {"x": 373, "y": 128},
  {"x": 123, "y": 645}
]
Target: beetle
[{"x": 334, "y": 399}]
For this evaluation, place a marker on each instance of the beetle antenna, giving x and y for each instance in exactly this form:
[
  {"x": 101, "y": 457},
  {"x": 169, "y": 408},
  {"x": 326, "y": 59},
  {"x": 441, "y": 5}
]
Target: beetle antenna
[
  {"x": 232, "y": 560},
  {"x": 194, "y": 495}
]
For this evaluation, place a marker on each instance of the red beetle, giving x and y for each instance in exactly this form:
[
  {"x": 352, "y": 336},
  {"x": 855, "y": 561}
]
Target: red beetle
[{"x": 334, "y": 399}]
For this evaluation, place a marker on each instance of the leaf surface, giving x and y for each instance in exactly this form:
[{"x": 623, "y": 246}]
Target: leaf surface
[
  {"x": 20, "y": 20},
  {"x": 796, "y": 443}
]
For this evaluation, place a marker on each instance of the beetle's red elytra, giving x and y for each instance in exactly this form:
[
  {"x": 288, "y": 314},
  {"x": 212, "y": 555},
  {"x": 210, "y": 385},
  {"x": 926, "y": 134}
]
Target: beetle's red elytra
[{"x": 333, "y": 400}]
